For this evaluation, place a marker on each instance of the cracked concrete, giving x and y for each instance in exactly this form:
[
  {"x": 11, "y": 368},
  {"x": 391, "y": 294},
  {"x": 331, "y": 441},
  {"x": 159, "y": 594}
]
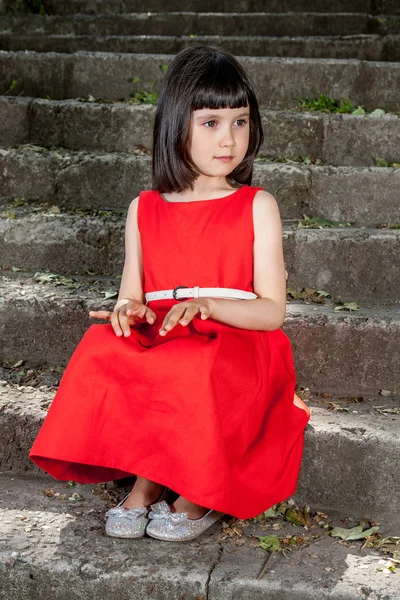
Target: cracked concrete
[
  {"x": 370, "y": 47},
  {"x": 339, "y": 140},
  {"x": 361, "y": 195},
  {"x": 52, "y": 545},
  {"x": 185, "y": 22},
  {"x": 342, "y": 261},
  {"x": 367, "y": 484},
  {"x": 62, "y": 550},
  {"x": 361, "y": 343},
  {"x": 279, "y": 81},
  {"x": 211, "y": 571},
  {"x": 274, "y": 6}
]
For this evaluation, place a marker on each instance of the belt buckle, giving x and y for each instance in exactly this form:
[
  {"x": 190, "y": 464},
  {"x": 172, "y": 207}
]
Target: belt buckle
[{"x": 179, "y": 287}]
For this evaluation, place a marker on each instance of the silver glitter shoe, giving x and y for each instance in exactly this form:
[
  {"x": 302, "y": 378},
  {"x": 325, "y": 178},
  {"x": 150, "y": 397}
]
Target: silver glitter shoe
[
  {"x": 129, "y": 522},
  {"x": 177, "y": 527}
]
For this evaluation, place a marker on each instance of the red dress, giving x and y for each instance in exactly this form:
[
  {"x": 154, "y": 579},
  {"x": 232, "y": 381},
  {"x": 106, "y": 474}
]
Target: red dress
[{"x": 208, "y": 410}]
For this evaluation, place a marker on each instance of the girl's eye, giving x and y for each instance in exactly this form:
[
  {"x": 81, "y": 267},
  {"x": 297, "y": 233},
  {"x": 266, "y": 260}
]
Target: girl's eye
[
  {"x": 210, "y": 123},
  {"x": 241, "y": 122}
]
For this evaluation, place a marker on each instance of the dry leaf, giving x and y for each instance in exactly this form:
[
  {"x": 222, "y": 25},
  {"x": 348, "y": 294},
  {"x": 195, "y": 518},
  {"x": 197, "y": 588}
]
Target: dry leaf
[
  {"x": 271, "y": 512},
  {"x": 269, "y": 542},
  {"x": 298, "y": 516},
  {"x": 355, "y": 533}
]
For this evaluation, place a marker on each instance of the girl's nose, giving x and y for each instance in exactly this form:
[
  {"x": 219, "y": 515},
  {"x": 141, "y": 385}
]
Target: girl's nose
[{"x": 227, "y": 139}]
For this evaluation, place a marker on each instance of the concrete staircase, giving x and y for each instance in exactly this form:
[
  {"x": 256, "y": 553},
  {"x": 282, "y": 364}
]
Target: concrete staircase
[{"x": 74, "y": 150}]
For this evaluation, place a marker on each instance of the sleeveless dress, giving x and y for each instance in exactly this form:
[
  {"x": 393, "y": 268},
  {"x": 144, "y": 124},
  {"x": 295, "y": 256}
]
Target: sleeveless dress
[{"x": 209, "y": 409}]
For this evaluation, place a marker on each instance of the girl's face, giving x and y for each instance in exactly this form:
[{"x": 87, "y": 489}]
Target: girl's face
[{"x": 218, "y": 139}]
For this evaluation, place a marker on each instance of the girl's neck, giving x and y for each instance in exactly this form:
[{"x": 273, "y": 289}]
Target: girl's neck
[{"x": 205, "y": 188}]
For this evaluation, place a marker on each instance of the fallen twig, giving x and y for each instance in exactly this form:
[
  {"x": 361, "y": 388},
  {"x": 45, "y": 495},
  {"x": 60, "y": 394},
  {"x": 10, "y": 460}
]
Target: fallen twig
[{"x": 265, "y": 566}]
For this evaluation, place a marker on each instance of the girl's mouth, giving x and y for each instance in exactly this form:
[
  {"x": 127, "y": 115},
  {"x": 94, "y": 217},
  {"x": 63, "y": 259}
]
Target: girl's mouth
[{"x": 224, "y": 158}]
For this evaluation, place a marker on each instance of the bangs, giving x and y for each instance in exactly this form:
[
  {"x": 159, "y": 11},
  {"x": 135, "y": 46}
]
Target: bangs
[{"x": 220, "y": 86}]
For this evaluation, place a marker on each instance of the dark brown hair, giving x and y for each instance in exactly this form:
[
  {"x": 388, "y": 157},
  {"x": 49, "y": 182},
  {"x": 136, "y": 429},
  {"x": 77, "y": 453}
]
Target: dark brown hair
[{"x": 199, "y": 77}]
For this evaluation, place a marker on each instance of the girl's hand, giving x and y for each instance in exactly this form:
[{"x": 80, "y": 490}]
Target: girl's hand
[
  {"x": 184, "y": 312},
  {"x": 126, "y": 315}
]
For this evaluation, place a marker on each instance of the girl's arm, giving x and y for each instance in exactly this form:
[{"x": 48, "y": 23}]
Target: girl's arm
[
  {"x": 131, "y": 290},
  {"x": 267, "y": 312},
  {"x": 132, "y": 275}
]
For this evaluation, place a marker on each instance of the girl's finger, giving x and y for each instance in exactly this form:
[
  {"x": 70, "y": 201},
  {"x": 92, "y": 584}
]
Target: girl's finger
[
  {"x": 116, "y": 324},
  {"x": 132, "y": 306},
  {"x": 187, "y": 316},
  {"x": 100, "y": 314},
  {"x": 204, "y": 312},
  {"x": 169, "y": 322},
  {"x": 189, "y": 313},
  {"x": 124, "y": 322},
  {"x": 166, "y": 326}
]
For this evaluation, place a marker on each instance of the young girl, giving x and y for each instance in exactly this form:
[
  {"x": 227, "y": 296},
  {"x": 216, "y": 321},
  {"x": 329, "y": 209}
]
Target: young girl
[{"x": 191, "y": 386}]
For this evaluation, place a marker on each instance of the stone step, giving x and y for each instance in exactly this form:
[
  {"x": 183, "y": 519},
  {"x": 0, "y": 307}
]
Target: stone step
[
  {"x": 279, "y": 81},
  {"x": 55, "y": 547},
  {"x": 339, "y": 352},
  {"x": 67, "y": 7},
  {"x": 333, "y": 139},
  {"x": 351, "y": 263},
  {"x": 365, "y": 442},
  {"x": 195, "y": 23},
  {"x": 361, "y": 47},
  {"x": 362, "y": 196}
]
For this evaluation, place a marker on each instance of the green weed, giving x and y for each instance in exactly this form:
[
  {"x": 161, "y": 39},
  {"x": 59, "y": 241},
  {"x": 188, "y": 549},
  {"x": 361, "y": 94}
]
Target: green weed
[
  {"x": 378, "y": 112},
  {"x": 13, "y": 85},
  {"x": 18, "y": 202},
  {"x": 389, "y": 22},
  {"x": 325, "y": 104},
  {"x": 381, "y": 162},
  {"x": 347, "y": 306},
  {"x": 143, "y": 96},
  {"x": 320, "y": 223}
]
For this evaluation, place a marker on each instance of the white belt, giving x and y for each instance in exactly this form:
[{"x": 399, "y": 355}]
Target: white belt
[{"x": 181, "y": 292}]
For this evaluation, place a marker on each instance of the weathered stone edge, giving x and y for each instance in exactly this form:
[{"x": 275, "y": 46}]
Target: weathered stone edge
[
  {"x": 365, "y": 47},
  {"x": 127, "y": 6},
  {"x": 278, "y": 81},
  {"x": 62, "y": 243},
  {"x": 337, "y": 140},
  {"x": 365, "y": 447},
  {"x": 184, "y": 23},
  {"x": 363, "y": 196},
  {"x": 334, "y": 351}
]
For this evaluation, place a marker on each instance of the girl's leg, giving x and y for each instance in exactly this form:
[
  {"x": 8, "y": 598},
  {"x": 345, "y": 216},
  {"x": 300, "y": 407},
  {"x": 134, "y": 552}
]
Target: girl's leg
[
  {"x": 144, "y": 493},
  {"x": 195, "y": 511}
]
